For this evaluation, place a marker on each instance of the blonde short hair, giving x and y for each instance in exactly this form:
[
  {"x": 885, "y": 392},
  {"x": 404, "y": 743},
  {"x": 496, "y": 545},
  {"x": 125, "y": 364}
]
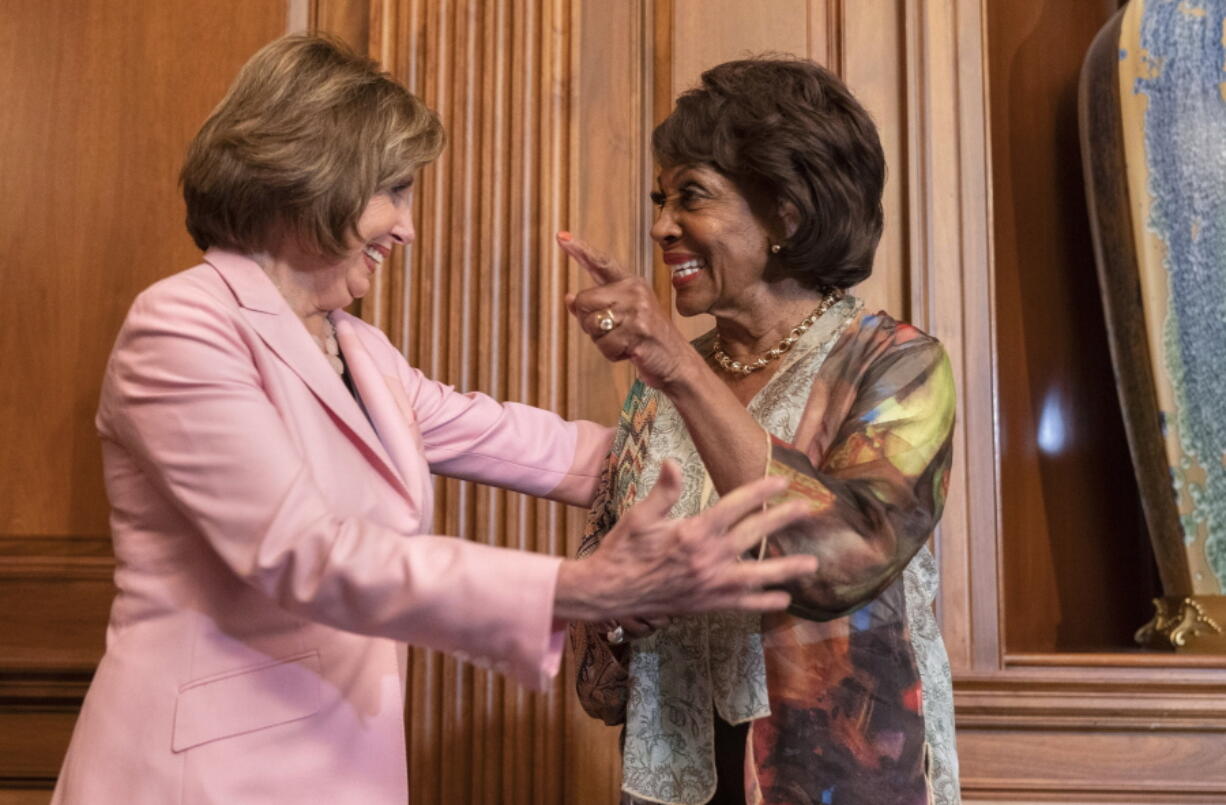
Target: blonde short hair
[{"x": 308, "y": 133}]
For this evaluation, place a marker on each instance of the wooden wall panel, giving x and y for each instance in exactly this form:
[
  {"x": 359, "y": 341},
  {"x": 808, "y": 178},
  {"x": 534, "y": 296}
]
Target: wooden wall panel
[
  {"x": 99, "y": 101},
  {"x": 478, "y": 303}
]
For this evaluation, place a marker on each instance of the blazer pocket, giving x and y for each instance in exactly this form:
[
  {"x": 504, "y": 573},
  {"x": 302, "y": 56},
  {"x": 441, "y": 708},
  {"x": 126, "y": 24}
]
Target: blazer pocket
[{"x": 251, "y": 699}]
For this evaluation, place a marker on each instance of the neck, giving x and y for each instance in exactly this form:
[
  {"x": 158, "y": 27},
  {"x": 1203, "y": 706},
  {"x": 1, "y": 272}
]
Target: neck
[
  {"x": 300, "y": 281},
  {"x": 761, "y": 320}
]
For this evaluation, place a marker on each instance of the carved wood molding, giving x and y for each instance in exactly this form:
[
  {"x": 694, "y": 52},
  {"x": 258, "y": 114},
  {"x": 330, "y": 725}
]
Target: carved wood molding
[
  {"x": 43, "y": 688},
  {"x": 53, "y": 597},
  {"x": 1151, "y": 704},
  {"x": 75, "y": 557},
  {"x": 1118, "y": 728},
  {"x": 1028, "y": 792}
]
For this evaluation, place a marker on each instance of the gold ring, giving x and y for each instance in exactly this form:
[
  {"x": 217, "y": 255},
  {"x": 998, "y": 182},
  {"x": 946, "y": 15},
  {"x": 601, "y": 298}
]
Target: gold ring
[{"x": 606, "y": 322}]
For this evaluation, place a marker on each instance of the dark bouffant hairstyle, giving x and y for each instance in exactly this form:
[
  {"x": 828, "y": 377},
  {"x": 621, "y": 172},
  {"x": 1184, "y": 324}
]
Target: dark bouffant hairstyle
[{"x": 789, "y": 131}]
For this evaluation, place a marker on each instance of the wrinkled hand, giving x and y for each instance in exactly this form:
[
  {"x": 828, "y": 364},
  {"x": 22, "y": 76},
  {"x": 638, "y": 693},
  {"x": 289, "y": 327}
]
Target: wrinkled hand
[
  {"x": 648, "y": 566},
  {"x": 642, "y": 332}
]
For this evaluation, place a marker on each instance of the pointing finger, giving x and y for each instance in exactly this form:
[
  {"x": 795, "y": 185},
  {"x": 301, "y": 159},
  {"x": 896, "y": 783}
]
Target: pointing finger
[{"x": 602, "y": 269}]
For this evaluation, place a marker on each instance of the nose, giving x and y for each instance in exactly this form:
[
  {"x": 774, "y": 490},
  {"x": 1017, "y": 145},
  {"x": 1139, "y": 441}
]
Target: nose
[
  {"x": 665, "y": 229},
  {"x": 403, "y": 231}
]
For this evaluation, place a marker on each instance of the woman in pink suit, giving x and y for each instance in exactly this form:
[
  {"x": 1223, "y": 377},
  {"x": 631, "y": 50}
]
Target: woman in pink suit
[{"x": 268, "y": 458}]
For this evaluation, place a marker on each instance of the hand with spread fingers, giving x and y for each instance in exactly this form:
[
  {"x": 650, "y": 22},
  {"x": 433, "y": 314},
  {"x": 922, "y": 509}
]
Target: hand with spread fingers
[
  {"x": 649, "y": 566},
  {"x": 622, "y": 316}
]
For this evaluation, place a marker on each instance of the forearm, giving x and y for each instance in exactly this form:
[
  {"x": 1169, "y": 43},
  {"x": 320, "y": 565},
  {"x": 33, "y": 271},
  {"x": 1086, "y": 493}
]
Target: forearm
[{"x": 732, "y": 445}]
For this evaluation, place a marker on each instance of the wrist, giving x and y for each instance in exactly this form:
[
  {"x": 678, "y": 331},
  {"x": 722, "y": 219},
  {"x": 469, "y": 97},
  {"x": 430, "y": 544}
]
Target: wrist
[
  {"x": 688, "y": 377},
  {"x": 577, "y": 592}
]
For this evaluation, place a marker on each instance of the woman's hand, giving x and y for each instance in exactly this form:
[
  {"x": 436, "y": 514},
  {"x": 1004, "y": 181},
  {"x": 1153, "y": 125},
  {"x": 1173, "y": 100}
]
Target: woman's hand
[
  {"x": 624, "y": 319},
  {"x": 648, "y": 566}
]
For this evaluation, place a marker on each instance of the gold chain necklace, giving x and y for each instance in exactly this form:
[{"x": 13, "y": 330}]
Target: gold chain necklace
[{"x": 774, "y": 353}]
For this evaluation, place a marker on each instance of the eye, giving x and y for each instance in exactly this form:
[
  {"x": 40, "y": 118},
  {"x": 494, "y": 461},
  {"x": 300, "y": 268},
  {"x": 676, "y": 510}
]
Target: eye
[
  {"x": 657, "y": 198},
  {"x": 691, "y": 194},
  {"x": 401, "y": 190}
]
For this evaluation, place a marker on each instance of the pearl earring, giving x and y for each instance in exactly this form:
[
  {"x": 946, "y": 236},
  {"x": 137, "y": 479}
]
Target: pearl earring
[{"x": 776, "y": 248}]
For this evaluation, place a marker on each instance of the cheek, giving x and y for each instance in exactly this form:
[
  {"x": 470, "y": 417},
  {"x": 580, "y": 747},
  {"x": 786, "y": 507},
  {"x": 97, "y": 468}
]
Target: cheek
[{"x": 357, "y": 278}]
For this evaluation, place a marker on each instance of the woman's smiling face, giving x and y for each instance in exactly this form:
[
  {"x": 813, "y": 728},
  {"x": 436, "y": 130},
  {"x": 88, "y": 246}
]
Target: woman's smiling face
[
  {"x": 714, "y": 242},
  {"x": 386, "y": 221}
]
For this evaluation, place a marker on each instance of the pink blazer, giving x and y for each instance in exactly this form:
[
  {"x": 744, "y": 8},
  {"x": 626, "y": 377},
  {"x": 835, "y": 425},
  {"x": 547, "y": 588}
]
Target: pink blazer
[{"x": 271, "y": 564}]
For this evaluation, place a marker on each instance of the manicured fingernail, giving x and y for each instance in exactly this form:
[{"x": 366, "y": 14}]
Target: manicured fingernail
[{"x": 564, "y": 237}]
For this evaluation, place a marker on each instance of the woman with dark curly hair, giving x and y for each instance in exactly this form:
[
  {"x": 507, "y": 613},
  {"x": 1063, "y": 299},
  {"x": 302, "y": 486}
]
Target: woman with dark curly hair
[{"x": 769, "y": 199}]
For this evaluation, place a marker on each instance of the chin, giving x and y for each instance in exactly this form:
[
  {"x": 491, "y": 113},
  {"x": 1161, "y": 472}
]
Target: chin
[{"x": 688, "y": 308}]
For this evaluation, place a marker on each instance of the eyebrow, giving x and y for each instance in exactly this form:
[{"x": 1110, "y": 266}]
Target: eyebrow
[{"x": 684, "y": 177}]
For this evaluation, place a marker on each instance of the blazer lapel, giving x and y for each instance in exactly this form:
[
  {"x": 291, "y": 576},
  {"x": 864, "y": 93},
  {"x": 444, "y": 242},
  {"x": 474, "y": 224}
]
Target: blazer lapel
[
  {"x": 269, "y": 314},
  {"x": 389, "y": 408}
]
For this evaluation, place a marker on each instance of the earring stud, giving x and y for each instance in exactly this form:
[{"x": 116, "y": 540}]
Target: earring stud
[{"x": 776, "y": 248}]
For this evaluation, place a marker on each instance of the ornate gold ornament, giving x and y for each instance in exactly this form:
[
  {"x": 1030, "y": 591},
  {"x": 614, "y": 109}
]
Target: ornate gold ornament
[{"x": 1178, "y": 621}]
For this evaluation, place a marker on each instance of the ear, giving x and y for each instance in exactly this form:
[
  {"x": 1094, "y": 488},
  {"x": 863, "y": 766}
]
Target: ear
[{"x": 789, "y": 219}]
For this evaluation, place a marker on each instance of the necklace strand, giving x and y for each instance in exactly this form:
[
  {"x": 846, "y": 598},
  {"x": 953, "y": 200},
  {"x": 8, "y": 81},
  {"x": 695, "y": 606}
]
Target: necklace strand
[
  {"x": 776, "y": 352},
  {"x": 332, "y": 350}
]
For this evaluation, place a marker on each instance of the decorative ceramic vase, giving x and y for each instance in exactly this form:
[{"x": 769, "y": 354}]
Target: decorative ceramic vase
[{"x": 1153, "y": 127}]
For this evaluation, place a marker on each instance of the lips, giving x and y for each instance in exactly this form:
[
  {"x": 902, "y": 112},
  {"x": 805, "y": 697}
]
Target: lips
[
  {"x": 375, "y": 255},
  {"x": 684, "y": 267}
]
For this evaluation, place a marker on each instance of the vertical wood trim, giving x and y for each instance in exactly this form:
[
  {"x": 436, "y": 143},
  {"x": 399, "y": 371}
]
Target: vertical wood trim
[
  {"x": 824, "y": 26},
  {"x": 835, "y": 59},
  {"x": 815, "y": 32},
  {"x": 347, "y": 19},
  {"x": 951, "y": 297},
  {"x": 605, "y": 129},
  {"x": 658, "y": 84},
  {"x": 297, "y": 16},
  {"x": 873, "y": 63},
  {"x": 477, "y": 302}
]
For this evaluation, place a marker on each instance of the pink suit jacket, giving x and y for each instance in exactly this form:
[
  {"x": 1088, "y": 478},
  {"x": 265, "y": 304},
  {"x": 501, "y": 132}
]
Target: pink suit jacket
[{"x": 270, "y": 562}]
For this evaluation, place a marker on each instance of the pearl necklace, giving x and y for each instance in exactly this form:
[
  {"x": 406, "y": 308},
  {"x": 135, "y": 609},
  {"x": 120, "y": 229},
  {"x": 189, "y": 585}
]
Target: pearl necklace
[
  {"x": 774, "y": 353},
  {"x": 332, "y": 350}
]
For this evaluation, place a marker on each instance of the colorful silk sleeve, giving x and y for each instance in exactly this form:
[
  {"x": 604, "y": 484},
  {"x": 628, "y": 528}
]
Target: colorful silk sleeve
[{"x": 872, "y": 457}]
